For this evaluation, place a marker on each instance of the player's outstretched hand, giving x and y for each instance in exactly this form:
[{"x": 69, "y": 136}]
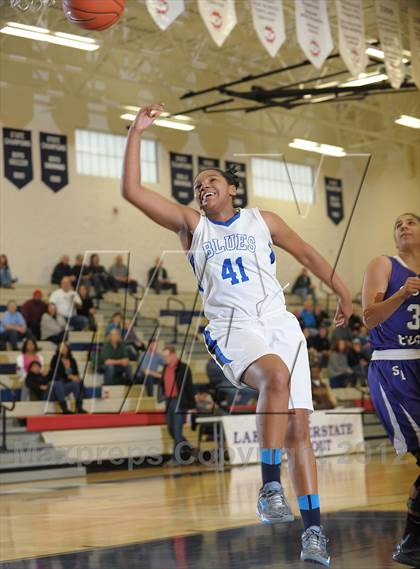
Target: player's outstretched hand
[
  {"x": 411, "y": 287},
  {"x": 147, "y": 115},
  {"x": 343, "y": 312}
]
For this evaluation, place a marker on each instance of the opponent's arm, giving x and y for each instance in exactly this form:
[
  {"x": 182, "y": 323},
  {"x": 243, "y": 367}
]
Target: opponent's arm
[
  {"x": 173, "y": 216},
  {"x": 283, "y": 236},
  {"x": 375, "y": 309}
]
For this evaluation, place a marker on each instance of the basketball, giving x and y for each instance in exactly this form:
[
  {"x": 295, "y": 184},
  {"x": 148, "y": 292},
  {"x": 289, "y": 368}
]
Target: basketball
[{"x": 93, "y": 14}]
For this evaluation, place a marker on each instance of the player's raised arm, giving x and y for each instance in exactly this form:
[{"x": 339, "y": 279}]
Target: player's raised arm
[
  {"x": 283, "y": 236},
  {"x": 375, "y": 309},
  {"x": 173, "y": 216}
]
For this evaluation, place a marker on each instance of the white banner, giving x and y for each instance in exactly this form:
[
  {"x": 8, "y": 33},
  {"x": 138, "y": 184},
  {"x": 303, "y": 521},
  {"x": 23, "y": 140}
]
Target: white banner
[
  {"x": 339, "y": 431},
  {"x": 351, "y": 33},
  {"x": 219, "y": 16},
  {"x": 389, "y": 26},
  {"x": 164, "y": 12},
  {"x": 268, "y": 20},
  {"x": 313, "y": 30},
  {"x": 414, "y": 32}
]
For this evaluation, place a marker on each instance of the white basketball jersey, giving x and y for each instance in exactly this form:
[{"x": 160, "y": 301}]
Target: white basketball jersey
[{"x": 235, "y": 266}]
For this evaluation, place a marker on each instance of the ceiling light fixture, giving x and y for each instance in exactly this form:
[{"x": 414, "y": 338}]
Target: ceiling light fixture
[
  {"x": 311, "y": 146},
  {"x": 406, "y": 120},
  {"x": 43, "y": 34},
  {"x": 167, "y": 123},
  {"x": 365, "y": 79}
]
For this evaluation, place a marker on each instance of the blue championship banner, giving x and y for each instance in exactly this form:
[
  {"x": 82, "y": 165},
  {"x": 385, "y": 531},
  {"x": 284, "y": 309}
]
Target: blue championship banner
[
  {"x": 17, "y": 152},
  {"x": 54, "y": 171},
  {"x": 334, "y": 195},
  {"x": 182, "y": 177},
  {"x": 207, "y": 163},
  {"x": 241, "y": 199}
]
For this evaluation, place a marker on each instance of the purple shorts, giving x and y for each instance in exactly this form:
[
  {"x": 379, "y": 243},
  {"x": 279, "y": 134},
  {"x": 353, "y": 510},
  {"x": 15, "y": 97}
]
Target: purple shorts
[{"x": 395, "y": 392}]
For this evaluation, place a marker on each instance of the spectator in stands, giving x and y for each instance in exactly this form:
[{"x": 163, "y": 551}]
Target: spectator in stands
[
  {"x": 101, "y": 281},
  {"x": 322, "y": 317},
  {"x": 321, "y": 344},
  {"x": 32, "y": 311},
  {"x": 53, "y": 325},
  {"x": 121, "y": 277},
  {"x": 61, "y": 270},
  {"x": 64, "y": 373},
  {"x": 114, "y": 361},
  {"x": 303, "y": 286},
  {"x": 6, "y": 279},
  {"x": 339, "y": 370},
  {"x": 128, "y": 333},
  {"x": 341, "y": 333},
  {"x": 322, "y": 395},
  {"x": 158, "y": 278},
  {"x": 151, "y": 364},
  {"x": 12, "y": 326},
  {"x": 178, "y": 392},
  {"x": 87, "y": 309},
  {"x": 81, "y": 272},
  {"x": 36, "y": 382},
  {"x": 308, "y": 317},
  {"x": 28, "y": 355},
  {"x": 355, "y": 320},
  {"x": 67, "y": 300},
  {"x": 358, "y": 360}
]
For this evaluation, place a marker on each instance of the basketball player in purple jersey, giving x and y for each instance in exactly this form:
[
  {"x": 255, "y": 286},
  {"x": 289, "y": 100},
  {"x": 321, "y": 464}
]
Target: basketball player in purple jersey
[
  {"x": 391, "y": 309},
  {"x": 231, "y": 253}
]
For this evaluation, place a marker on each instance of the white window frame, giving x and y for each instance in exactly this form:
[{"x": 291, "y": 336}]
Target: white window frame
[{"x": 270, "y": 179}]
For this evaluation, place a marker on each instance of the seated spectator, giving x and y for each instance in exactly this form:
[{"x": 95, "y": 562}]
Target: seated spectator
[
  {"x": 158, "y": 279},
  {"x": 321, "y": 344},
  {"x": 81, "y": 272},
  {"x": 12, "y": 326},
  {"x": 23, "y": 361},
  {"x": 87, "y": 309},
  {"x": 308, "y": 317},
  {"x": 67, "y": 300},
  {"x": 64, "y": 373},
  {"x": 322, "y": 317},
  {"x": 114, "y": 362},
  {"x": 355, "y": 320},
  {"x": 150, "y": 367},
  {"x": 36, "y": 382},
  {"x": 32, "y": 311},
  {"x": 61, "y": 270},
  {"x": 128, "y": 334},
  {"x": 322, "y": 395},
  {"x": 101, "y": 280},
  {"x": 6, "y": 279},
  {"x": 341, "y": 333},
  {"x": 53, "y": 325},
  {"x": 358, "y": 360},
  {"x": 303, "y": 286},
  {"x": 120, "y": 276},
  {"x": 339, "y": 370}
]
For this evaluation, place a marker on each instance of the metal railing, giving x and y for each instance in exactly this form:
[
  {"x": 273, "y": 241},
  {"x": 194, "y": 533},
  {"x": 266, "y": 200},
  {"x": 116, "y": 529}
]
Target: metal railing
[{"x": 4, "y": 408}]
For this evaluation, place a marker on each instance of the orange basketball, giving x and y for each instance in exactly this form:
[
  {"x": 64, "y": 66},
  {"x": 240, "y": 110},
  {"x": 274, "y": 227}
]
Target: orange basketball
[{"x": 93, "y": 14}]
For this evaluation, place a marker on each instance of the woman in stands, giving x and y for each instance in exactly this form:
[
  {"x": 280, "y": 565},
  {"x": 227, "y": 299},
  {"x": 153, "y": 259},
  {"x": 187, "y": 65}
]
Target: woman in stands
[
  {"x": 23, "y": 361},
  {"x": 65, "y": 378}
]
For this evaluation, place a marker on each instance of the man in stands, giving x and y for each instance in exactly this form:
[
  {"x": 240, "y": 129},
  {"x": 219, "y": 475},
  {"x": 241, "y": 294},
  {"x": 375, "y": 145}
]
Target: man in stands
[
  {"x": 158, "y": 279},
  {"x": 62, "y": 269},
  {"x": 303, "y": 286},
  {"x": 66, "y": 300},
  {"x": 32, "y": 311},
  {"x": 114, "y": 361},
  {"x": 151, "y": 365},
  {"x": 12, "y": 326},
  {"x": 121, "y": 278},
  {"x": 81, "y": 272}
]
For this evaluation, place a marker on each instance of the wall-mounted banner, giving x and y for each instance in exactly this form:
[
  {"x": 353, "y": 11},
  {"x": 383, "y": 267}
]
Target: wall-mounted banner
[
  {"x": 54, "y": 171},
  {"x": 219, "y": 17},
  {"x": 241, "y": 199},
  {"x": 17, "y": 152},
  {"x": 389, "y": 26},
  {"x": 164, "y": 12},
  {"x": 414, "y": 32},
  {"x": 351, "y": 32},
  {"x": 182, "y": 177},
  {"x": 268, "y": 20},
  {"x": 313, "y": 30},
  {"x": 207, "y": 163},
  {"x": 334, "y": 195}
]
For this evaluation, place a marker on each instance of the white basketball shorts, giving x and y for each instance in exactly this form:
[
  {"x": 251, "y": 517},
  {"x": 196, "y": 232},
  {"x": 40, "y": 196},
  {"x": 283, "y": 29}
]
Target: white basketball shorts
[{"x": 236, "y": 345}]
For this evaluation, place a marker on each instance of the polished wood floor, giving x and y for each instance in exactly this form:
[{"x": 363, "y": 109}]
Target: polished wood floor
[{"x": 112, "y": 509}]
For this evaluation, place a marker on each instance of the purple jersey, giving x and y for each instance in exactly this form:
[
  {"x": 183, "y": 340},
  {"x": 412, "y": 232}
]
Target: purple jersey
[{"x": 402, "y": 329}]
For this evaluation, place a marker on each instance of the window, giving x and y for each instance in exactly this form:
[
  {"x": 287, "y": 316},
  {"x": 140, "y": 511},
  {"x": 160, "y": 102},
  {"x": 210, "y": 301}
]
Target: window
[
  {"x": 101, "y": 154},
  {"x": 271, "y": 180}
]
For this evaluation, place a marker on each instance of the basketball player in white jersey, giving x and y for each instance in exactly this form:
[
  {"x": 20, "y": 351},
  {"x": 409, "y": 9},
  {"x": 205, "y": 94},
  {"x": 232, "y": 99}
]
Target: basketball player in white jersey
[{"x": 250, "y": 334}]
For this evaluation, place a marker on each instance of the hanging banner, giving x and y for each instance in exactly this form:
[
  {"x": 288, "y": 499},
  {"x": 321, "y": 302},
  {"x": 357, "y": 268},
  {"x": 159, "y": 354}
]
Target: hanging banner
[
  {"x": 241, "y": 198},
  {"x": 219, "y": 17},
  {"x": 182, "y": 177},
  {"x": 334, "y": 195},
  {"x": 389, "y": 26},
  {"x": 54, "y": 171},
  {"x": 351, "y": 33},
  {"x": 164, "y": 12},
  {"x": 17, "y": 152},
  {"x": 414, "y": 33},
  {"x": 313, "y": 30},
  {"x": 268, "y": 20},
  {"x": 207, "y": 163}
]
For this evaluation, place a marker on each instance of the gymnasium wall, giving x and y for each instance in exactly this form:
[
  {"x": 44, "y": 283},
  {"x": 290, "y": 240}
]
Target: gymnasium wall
[{"x": 38, "y": 226}]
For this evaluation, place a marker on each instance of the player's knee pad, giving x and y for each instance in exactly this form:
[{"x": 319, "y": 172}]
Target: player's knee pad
[{"x": 414, "y": 503}]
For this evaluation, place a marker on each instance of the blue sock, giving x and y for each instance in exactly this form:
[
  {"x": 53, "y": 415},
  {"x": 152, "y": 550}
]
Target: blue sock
[
  {"x": 309, "y": 510},
  {"x": 270, "y": 464}
]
